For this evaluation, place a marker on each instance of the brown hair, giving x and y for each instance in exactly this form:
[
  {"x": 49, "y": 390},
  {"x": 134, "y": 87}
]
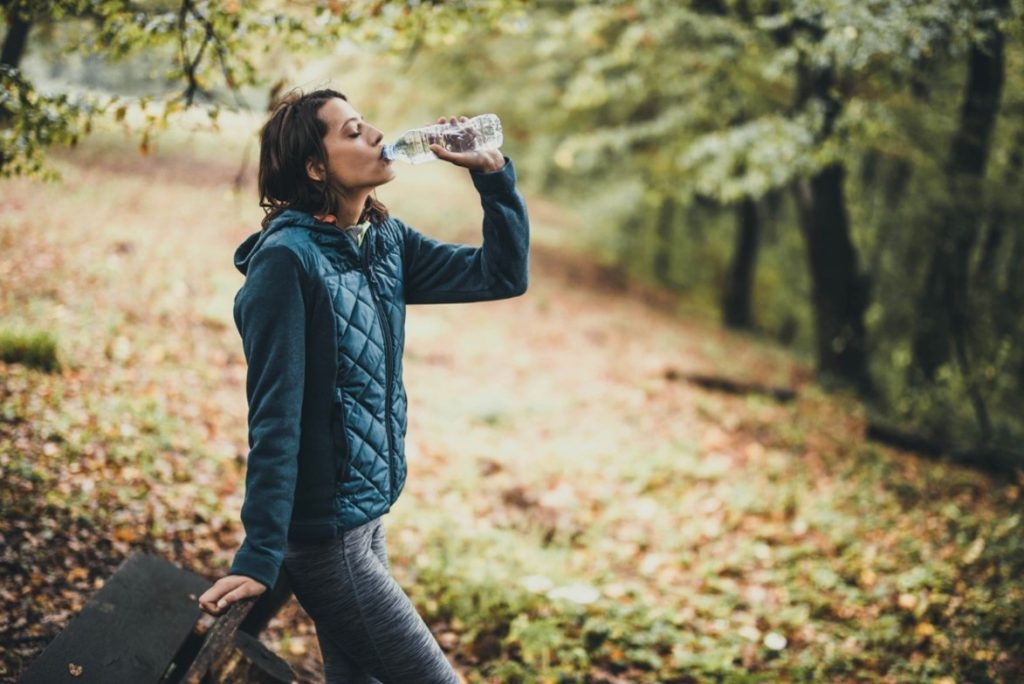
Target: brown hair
[{"x": 293, "y": 135}]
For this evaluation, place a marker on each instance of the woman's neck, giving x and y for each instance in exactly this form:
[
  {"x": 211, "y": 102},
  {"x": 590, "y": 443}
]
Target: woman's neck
[{"x": 349, "y": 208}]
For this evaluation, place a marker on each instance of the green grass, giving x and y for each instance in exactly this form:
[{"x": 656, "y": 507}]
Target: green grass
[{"x": 34, "y": 350}]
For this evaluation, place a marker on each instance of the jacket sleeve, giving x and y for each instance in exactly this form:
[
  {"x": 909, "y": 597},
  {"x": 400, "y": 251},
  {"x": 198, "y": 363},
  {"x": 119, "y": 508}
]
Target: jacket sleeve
[
  {"x": 271, "y": 317},
  {"x": 438, "y": 272}
]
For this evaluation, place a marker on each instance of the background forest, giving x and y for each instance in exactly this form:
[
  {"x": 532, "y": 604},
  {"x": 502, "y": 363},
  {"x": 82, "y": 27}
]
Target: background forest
[
  {"x": 822, "y": 199},
  {"x": 840, "y": 177}
]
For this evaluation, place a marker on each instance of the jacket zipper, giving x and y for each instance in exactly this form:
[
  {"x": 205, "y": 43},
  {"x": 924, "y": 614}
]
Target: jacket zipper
[{"x": 386, "y": 330}]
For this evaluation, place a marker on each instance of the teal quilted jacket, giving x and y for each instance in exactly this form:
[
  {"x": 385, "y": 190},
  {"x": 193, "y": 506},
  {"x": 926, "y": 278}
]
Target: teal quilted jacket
[{"x": 322, "y": 324}]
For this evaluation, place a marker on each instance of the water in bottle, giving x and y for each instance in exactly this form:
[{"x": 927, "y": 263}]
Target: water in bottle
[{"x": 479, "y": 133}]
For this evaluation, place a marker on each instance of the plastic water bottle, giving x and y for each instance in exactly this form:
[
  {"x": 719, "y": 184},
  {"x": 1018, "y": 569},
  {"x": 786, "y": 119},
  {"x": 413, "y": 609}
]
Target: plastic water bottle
[{"x": 479, "y": 133}]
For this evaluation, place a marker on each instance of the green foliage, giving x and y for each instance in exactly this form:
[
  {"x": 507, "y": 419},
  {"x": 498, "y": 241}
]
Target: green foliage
[
  {"x": 524, "y": 636},
  {"x": 635, "y": 105},
  {"x": 30, "y": 122},
  {"x": 213, "y": 51}
]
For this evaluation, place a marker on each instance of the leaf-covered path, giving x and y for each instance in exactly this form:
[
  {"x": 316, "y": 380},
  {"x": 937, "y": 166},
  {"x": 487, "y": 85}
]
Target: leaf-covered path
[{"x": 574, "y": 507}]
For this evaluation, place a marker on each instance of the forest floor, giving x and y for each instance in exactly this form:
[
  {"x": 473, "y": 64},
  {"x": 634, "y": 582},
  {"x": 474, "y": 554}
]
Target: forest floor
[{"x": 575, "y": 509}]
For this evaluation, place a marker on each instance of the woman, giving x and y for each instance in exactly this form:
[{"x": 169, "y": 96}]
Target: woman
[{"x": 321, "y": 315}]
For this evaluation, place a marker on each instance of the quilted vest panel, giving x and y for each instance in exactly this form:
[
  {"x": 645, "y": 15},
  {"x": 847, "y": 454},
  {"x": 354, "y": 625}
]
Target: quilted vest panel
[{"x": 365, "y": 291}]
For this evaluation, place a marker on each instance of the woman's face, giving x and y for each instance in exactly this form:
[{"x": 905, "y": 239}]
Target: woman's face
[{"x": 353, "y": 147}]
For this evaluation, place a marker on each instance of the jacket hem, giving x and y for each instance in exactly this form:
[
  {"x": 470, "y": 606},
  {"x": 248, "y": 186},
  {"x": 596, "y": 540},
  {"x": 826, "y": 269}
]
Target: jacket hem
[{"x": 312, "y": 531}]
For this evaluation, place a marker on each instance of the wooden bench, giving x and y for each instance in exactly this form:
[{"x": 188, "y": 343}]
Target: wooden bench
[{"x": 143, "y": 627}]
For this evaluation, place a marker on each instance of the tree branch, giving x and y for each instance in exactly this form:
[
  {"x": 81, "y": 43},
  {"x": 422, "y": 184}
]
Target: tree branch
[
  {"x": 221, "y": 53},
  {"x": 190, "y": 67}
]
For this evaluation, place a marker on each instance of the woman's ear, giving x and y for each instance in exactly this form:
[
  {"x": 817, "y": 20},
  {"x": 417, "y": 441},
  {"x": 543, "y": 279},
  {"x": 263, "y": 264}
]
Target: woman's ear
[{"x": 314, "y": 170}]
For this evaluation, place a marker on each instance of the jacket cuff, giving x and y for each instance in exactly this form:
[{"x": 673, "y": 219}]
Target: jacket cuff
[
  {"x": 259, "y": 568},
  {"x": 502, "y": 180}
]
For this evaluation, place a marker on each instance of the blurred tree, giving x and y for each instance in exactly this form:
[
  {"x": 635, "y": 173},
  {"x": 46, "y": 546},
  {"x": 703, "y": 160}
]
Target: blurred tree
[
  {"x": 840, "y": 291},
  {"x": 737, "y": 297},
  {"x": 714, "y": 143},
  {"x": 16, "y": 36},
  {"x": 213, "y": 49},
  {"x": 943, "y": 327},
  {"x": 649, "y": 113}
]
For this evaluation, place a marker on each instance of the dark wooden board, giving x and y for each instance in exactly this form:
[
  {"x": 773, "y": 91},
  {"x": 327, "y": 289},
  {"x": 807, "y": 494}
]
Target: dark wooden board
[
  {"x": 271, "y": 667},
  {"x": 129, "y": 631},
  {"x": 218, "y": 640}
]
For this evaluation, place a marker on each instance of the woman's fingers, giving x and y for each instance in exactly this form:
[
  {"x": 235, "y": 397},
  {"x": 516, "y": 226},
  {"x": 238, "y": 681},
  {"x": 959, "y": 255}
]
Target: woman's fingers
[
  {"x": 464, "y": 159},
  {"x": 468, "y": 158},
  {"x": 210, "y": 607},
  {"x": 480, "y": 160},
  {"x": 452, "y": 119},
  {"x": 217, "y": 591},
  {"x": 442, "y": 153},
  {"x": 226, "y": 591},
  {"x": 235, "y": 595},
  {"x": 213, "y": 601}
]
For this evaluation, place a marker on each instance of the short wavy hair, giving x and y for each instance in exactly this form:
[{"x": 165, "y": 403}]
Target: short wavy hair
[{"x": 292, "y": 136}]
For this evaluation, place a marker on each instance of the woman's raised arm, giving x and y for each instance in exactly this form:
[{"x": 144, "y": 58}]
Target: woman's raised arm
[{"x": 440, "y": 273}]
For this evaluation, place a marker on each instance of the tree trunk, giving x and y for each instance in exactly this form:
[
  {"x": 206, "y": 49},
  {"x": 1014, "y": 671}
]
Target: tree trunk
[
  {"x": 628, "y": 242},
  {"x": 736, "y": 302},
  {"x": 984, "y": 275},
  {"x": 15, "y": 38},
  {"x": 664, "y": 241},
  {"x": 10, "y": 55},
  {"x": 944, "y": 302},
  {"x": 839, "y": 290}
]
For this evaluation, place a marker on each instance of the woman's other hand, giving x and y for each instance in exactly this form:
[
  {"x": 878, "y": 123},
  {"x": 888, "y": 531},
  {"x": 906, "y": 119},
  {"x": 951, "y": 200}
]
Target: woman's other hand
[
  {"x": 227, "y": 590},
  {"x": 477, "y": 160}
]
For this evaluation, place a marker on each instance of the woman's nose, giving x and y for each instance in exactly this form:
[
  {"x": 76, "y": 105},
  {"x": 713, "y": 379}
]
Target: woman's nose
[{"x": 378, "y": 136}]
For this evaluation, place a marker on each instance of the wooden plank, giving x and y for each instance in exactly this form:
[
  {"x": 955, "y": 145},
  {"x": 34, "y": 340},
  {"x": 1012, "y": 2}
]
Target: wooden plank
[
  {"x": 257, "y": 663},
  {"x": 129, "y": 631},
  {"x": 219, "y": 640},
  {"x": 249, "y": 661}
]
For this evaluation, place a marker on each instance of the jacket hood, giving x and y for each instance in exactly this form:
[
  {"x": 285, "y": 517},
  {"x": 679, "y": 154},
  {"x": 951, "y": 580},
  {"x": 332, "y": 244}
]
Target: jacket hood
[{"x": 289, "y": 218}]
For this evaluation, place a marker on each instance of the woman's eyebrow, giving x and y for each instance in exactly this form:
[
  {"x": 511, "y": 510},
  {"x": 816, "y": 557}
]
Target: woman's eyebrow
[{"x": 350, "y": 119}]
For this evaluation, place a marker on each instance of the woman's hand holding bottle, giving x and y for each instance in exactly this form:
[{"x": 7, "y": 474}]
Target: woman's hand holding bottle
[
  {"x": 470, "y": 143},
  {"x": 477, "y": 160}
]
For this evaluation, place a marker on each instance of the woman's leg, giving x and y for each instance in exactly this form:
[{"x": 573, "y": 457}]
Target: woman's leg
[
  {"x": 378, "y": 543},
  {"x": 363, "y": 617},
  {"x": 305, "y": 563}
]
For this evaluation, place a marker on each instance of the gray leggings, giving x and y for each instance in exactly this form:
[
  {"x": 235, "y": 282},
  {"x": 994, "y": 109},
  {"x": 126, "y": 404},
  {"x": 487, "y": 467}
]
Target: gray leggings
[{"x": 368, "y": 629}]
